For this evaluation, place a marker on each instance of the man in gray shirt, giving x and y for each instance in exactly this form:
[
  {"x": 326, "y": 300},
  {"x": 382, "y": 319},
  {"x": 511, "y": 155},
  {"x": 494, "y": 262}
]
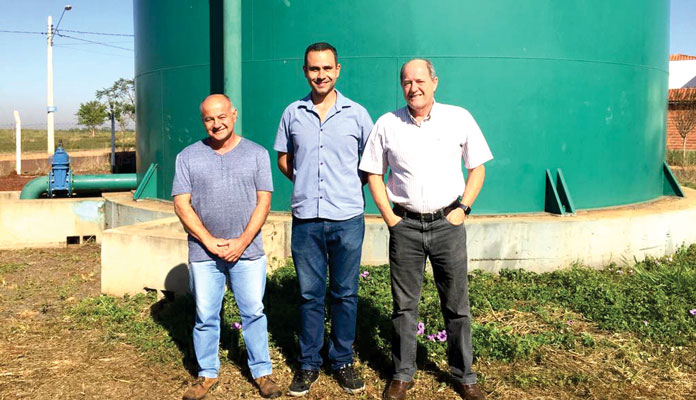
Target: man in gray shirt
[{"x": 222, "y": 195}]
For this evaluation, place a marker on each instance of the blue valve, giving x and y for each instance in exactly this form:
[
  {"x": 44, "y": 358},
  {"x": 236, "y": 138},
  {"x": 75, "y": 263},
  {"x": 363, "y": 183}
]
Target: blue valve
[{"x": 60, "y": 177}]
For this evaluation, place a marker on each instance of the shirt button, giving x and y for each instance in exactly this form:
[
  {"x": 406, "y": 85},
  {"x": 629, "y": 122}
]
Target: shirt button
[
  {"x": 321, "y": 163},
  {"x": 321, "y": 147},
  {"x": 321, "y": 197}
]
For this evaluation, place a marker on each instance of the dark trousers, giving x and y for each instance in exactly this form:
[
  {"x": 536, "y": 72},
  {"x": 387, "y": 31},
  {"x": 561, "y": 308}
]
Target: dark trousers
[
  {"x": 410, "y": 242},
  {"x": 316, "y": 243}
]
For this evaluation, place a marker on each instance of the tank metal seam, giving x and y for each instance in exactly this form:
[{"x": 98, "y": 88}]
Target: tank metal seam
[
  {"x": 481, "y": 57},
  {"x": 171, "y": 68}
]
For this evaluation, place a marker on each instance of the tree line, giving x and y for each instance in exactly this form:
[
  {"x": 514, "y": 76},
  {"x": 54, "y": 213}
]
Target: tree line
[{"x": 116, "y": 101}]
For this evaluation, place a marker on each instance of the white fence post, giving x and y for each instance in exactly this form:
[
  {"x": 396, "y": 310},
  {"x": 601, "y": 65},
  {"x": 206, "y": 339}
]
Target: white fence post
[{"x": 18, "y": 147}]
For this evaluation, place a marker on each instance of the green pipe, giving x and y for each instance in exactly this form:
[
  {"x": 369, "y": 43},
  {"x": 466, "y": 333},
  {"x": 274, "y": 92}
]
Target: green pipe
[
  {"x": 104, "y": 183},
  {"x": 232, "y": 52},
  {"x": 83, "y": 183},
  {"x": 34, "y": 188}
]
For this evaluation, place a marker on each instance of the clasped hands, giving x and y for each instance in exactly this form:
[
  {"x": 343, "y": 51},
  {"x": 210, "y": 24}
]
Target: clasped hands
[{"x": 227, "y": 249}]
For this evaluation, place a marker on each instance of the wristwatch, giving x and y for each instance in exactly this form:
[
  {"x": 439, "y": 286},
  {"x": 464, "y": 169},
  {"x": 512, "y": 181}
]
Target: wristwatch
[{"x": 467, "y": 209}]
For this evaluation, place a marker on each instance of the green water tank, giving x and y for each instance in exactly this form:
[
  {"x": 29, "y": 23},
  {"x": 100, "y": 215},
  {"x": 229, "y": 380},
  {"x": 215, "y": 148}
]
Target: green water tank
[{"x": 578, "y": 86}]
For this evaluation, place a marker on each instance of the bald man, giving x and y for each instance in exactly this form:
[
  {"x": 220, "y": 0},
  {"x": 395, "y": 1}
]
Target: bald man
[{"x": 222, "y": 195}]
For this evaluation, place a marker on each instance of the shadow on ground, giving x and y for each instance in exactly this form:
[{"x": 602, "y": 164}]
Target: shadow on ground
[{"x": 373, "y": 331}]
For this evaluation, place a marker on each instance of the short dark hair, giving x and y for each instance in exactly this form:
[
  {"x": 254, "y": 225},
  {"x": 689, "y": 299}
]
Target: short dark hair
[{"x": 320, "y": 46}]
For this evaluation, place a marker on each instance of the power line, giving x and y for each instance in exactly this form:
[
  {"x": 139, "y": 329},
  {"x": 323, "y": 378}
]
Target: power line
[
  {"x": 89, "y": 44},
  {"x": 73, "y": 48},
  {"x": 36, "y": 33},
  {"x": 98, "y": 33},
  {"x": 93, "y": 42}
]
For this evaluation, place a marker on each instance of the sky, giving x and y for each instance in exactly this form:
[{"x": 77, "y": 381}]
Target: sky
[
  {"x": 79, "y": 68},
  {"x": 82, "y": 68}
]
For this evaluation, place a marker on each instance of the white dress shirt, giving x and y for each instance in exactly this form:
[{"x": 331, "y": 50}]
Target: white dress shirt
[{"x": 425, "y": 159}]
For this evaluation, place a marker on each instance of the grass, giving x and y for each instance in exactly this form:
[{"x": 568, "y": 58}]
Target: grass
[
  {"x": 518, "y": 316},
  {"x": 6, "y": 268},
  {"x": 34, "y": 140}
]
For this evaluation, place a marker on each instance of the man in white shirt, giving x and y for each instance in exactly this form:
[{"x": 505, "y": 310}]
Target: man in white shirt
[{"x": 423, "y": 145}]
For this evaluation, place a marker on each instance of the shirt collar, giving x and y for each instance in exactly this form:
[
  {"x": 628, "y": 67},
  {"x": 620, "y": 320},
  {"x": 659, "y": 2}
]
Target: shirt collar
[
  {"x": 341, "y": 102},
  {"x": 427, "y": 117}
]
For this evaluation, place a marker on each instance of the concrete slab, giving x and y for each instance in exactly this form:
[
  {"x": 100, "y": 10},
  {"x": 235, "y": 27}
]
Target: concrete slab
[
  {"x": 153, "y": 254},
  {"x": 10, "y": 195},
  {"x": 49, "y": 222}
]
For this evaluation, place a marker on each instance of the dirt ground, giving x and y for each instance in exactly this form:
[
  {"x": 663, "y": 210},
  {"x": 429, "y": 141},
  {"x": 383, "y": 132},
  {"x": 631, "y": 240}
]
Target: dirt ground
[
  {"x": 43, "y": 356},
  {"x": 13, "y": 182}
]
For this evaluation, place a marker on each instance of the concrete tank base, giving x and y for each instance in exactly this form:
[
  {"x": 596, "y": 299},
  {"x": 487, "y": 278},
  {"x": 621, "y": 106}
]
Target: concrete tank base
[{"x": 145, "y": 247}]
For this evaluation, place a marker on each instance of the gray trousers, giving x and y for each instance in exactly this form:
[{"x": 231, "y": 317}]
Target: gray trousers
[{"x": 410, "y": 242}]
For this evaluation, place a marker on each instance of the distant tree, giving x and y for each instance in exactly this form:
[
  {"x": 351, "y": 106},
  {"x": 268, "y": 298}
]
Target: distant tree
[
  {"x": 91, "y": 114},
  {"x": 119, "y": 99},
  {"x": 684, "y": 102}
]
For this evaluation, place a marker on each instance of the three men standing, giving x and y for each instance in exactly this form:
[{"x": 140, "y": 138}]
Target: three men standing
[
  {"x": 423, "y": 144},
  {"x": 222, "y": 195},
  {"x": 222, "y": 190},
  {"x": 319, "y": 142}
]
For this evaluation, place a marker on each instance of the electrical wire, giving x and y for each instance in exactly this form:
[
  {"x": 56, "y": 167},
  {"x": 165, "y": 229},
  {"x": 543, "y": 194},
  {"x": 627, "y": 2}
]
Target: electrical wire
[
  {"x": 37, "y": 33},
  {"x": 93, "y": 42},
  {"x": 68, "y": 46},
  {"x": 71, "y": 44},
  {"x": 98, "y": 33}
]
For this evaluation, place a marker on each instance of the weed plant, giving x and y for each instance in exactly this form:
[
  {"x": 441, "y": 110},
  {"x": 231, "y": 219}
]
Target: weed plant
[
  {"x": 516, "y": 313},
  {"x": 676, "y": 157}
]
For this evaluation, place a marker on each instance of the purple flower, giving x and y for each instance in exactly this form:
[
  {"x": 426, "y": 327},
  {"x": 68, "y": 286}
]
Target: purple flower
[
  {"x": 365, "y": 274},
  {"x": 442, "y": 336},
  {"x": 432, "y": 337},
  {"x": 236, "y": 326},
  {"x": 645, "y": 322},
  {"x": 570, "y": 322},
  {"x": 421, "y": 329},
  {"x": 692, "y": 312}
]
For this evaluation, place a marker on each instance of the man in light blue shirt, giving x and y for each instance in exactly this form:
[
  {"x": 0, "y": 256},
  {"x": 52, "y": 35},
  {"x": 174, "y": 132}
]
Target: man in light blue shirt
[{"x": 319, "y": 142}]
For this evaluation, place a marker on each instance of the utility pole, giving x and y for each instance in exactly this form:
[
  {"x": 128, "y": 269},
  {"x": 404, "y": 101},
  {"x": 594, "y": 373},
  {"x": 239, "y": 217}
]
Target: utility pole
[
  {"x": 18, "y": 145},
  {"x": 113, "y": 136},
  {"x": 50, "y": 108}
]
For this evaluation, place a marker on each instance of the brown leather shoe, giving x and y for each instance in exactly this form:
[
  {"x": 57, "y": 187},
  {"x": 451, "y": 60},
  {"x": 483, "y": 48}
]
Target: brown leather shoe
[
  {"x": 396, "y": 390},
  {"x": 200, "y": 388},
  {"x": 469, "y": 391},
  {"x": 268, "y": 389}
]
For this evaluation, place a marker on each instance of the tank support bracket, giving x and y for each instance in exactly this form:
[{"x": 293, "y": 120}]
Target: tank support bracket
[
  {"x": 670, "y": 187},
  {"x": 558, "y": 199},
  {"x": 147, "y": 189}
]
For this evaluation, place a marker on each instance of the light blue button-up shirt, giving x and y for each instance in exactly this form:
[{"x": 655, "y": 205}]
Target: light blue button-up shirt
[{"x": 326, "y": 156}]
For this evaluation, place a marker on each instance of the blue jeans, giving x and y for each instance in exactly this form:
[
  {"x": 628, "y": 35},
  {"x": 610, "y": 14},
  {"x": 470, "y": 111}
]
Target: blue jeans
[
  {"x": 207, "y": 281},
  {"x": 315, "y": 244}
]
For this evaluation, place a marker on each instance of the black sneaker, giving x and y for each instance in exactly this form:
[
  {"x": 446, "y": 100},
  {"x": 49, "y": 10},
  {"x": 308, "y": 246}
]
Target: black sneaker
[
  {"x": 302, "y": 381},
  {"x": 349, "y": 380}
]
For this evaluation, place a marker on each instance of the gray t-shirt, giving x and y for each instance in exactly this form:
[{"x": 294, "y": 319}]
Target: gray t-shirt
[{"x": 223, "y": 191}]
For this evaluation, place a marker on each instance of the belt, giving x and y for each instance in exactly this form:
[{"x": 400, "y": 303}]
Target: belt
[{"x": 425, "y": 217}]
